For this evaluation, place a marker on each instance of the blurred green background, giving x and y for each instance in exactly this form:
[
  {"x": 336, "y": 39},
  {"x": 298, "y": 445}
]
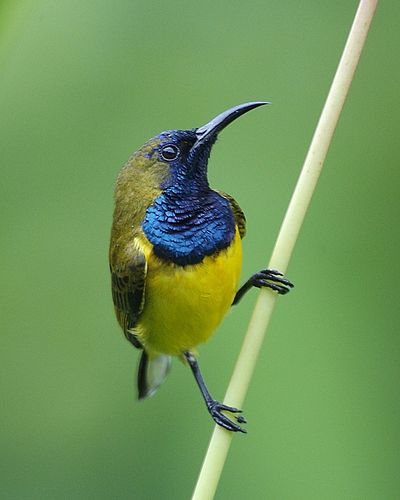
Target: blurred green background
[{"x": 82, "y": 85}]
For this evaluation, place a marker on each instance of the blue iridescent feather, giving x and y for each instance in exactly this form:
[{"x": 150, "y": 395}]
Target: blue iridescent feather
[{"x": 186, "y": 227}]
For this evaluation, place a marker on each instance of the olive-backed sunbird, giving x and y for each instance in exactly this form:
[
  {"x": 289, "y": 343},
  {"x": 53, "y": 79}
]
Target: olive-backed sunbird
[{"x": 176, "y": 256}]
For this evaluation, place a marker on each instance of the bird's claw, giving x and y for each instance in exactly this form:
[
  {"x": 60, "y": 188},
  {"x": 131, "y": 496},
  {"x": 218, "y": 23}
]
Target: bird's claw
[
  {"x": 215, "y": 408},
  {"x": 272, "y": 279}
]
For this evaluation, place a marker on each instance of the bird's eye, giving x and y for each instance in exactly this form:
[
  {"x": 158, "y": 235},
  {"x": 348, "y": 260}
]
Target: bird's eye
[{"x": 170, "y": 152}]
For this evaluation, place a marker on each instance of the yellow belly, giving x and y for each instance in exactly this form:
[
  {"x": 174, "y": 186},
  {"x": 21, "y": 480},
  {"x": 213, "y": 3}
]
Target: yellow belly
[{"x": 184, "y": 305}]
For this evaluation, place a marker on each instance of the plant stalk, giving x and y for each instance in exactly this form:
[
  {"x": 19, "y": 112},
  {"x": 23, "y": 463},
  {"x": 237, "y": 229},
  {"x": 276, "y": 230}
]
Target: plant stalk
[{"x": 221, "y": 439}]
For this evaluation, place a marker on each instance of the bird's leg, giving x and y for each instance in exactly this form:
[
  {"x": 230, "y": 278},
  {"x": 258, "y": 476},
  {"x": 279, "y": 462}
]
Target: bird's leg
[
  {"x": 265, "y": 278},
  {"x": 214, "y": 407}
]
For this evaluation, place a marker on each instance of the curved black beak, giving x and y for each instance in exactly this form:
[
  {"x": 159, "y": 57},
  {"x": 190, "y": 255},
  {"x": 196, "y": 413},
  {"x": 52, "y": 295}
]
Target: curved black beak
[{"x": 218, "y": 123}]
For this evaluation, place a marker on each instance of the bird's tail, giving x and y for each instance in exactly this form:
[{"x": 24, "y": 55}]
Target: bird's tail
[{"x": 152, "y": 373}]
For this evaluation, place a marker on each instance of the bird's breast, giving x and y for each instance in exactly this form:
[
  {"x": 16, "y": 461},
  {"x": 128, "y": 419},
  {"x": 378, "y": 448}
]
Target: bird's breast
[
  {"x": 184, "y": 304},
  {"x": 185, "y": 229}
]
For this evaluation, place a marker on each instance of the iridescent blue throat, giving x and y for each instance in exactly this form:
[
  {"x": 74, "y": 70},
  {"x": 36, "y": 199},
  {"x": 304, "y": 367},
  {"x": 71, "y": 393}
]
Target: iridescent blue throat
[{"x": 186, "y": 227}]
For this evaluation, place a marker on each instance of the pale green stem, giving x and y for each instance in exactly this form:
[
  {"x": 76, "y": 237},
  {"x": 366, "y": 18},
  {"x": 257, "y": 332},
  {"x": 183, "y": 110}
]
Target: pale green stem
[{"x": 221, "y": 439}]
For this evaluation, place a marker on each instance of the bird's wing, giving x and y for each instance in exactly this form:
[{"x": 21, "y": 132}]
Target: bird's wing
[
  {"x": 240, "y": 218},
  {"x": 128, "y": 285}
]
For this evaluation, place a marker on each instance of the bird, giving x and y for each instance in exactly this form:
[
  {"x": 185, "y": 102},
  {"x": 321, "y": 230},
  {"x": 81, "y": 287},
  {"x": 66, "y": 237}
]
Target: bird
[{"x": 175, "y": 255}]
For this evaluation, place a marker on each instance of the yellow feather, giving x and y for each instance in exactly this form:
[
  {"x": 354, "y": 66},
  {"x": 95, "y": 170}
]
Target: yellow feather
[{"x": 184, "y": 305}]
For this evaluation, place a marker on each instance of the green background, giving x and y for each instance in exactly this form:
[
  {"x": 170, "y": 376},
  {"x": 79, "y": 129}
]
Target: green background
[{"x": 82, "y": 85}]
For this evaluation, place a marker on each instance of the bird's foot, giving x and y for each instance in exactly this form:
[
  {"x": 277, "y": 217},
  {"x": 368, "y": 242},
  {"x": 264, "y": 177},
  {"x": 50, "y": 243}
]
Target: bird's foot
[
  {"x": 273, "y": 279},
  {"x": 215, "y": 408}
]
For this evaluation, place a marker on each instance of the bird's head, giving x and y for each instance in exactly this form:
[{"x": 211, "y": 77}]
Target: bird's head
[{"x": 178, "y": 158}]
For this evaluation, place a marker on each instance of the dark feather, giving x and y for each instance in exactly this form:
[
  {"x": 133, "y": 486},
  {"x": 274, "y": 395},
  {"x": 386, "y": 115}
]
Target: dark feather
[
  {"x": 152, "y": 373},
  {"x": 240, "y": 218},
  {"x": 141, "y": 379},
  {"x": 128, "y": 287}
]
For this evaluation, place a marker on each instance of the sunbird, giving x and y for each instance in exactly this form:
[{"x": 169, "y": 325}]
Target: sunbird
[{"x": 176, "y": 255}]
